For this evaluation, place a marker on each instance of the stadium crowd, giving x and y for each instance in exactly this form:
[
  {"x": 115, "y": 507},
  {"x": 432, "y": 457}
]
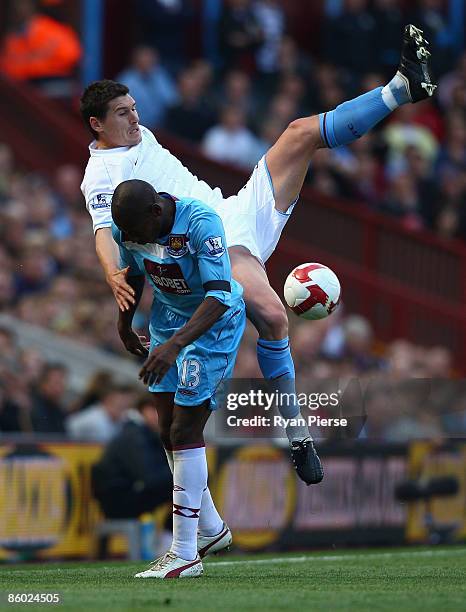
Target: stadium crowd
[
  {"x": 235, "y": 104},
  {"x": 412, "y": 167}
]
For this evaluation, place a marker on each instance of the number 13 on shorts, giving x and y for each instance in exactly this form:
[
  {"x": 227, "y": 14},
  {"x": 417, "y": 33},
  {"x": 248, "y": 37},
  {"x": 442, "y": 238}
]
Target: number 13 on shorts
[{"x": 190, "y": 373}]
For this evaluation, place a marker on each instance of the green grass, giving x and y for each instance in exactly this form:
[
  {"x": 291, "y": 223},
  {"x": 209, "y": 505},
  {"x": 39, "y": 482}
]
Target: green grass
[{"x": 394, "y": 580}]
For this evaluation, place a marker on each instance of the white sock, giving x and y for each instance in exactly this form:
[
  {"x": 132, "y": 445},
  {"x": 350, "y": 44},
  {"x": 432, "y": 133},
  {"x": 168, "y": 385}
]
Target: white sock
[
  {"x": 210, "y": 521},
  {"x": 395, "y": 93},
  {"x": 297, "y": 432},
  {"x": 189, "y": 482}
]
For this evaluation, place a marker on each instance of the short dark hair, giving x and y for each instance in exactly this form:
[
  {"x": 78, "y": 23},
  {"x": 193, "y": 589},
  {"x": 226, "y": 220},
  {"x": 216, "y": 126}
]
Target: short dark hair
[
  {"x": 131, "y": 199},
  {"x": 95, "y": 99}
]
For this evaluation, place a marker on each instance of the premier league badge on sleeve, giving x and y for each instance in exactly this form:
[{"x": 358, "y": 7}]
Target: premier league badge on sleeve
[
  {"x": 177, "y": 245},
  {"x": 215, "y": 246}
]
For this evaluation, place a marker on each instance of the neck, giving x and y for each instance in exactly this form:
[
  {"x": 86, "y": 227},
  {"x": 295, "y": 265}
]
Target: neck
[{"x": 169, "y": 216}]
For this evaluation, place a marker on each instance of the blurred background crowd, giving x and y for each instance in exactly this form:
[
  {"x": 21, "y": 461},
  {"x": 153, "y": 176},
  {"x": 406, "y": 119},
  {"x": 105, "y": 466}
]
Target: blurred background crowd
[{"x": 252, "y": 73}]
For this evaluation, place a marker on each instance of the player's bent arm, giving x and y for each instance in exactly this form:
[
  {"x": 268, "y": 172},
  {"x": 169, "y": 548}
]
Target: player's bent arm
[
  {"x": 130, "y": 339},
  {"x": 164, "y": 356},
  {"x": 107, "y": 252},
  {"x": 209, "y": 311}
]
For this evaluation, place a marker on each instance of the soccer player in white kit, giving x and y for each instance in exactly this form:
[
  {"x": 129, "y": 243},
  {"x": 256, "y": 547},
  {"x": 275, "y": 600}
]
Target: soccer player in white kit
[{"x": 255, "y": 217}]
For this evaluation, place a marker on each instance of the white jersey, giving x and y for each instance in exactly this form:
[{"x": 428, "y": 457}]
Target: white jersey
[{"x": 250, "y": 218}]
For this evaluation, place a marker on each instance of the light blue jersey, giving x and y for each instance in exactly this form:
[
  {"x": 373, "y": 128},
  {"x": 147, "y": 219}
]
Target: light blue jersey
[{"x": 184, "y": 268}]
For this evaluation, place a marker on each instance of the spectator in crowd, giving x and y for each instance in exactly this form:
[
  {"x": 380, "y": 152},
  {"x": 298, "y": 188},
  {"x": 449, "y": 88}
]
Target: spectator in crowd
[
  {"x": 40, "y": 50},
  {"x": 102, "y": 421},
  {"x": 451, "y": 81},
  {"x": 240, "y": 35},
  {"x": 236, "y": 91},
  {"x": 431, "y": 17},
  {"x": 231, "y": 141},
  {"x": 48, "y": 412},
  {"x": 270, "y": 18},
  {"x": 151, "y": 86},
  {"x": 165, "y": 25},
  {"x": 389, "y": 24},
  {"x": 191, "y": 117},
  {"x": 354, "y": 29},
  {"x": 133, "y": 477}
]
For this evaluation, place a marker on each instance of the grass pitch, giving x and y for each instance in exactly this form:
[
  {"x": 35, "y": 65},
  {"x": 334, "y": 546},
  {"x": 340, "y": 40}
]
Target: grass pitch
[{"x": 394, "y": 579}]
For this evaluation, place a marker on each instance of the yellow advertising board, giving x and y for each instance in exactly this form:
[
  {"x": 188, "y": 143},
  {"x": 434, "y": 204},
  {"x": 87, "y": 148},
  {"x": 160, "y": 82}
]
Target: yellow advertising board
[
  {"x": 429, "y": 460},
  {"x": 46, "y": 506}
]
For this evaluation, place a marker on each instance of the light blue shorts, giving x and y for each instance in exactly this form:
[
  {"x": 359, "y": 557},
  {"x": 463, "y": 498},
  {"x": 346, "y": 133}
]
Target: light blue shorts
[{"x": 204, "y": 364}]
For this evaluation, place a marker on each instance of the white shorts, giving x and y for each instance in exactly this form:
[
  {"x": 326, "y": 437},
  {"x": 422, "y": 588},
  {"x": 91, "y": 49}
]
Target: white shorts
[{"x": 250, "y": 218}]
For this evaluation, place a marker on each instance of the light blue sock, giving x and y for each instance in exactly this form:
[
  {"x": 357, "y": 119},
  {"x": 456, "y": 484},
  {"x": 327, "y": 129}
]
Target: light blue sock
[
  {"x": 352, "y": 119},
  {"x": 276, "y": 363}
]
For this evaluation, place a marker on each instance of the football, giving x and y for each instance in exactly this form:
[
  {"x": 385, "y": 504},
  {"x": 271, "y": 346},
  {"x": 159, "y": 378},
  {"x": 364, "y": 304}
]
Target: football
[{"x": 312, "y": 291}]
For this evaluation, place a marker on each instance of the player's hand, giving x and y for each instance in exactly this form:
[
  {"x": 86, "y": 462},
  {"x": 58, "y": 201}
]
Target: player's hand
[
  {"x": 124, "y": 293},
  {"x": 159, "y": 362},
  {"x": 134, "y": 343}
]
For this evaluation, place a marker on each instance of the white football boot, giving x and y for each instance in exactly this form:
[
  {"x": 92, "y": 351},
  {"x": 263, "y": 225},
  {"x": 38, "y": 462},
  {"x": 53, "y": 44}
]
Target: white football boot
[
  {"x": 209, "y": 545},
  {"x": 172, "y": 566}
]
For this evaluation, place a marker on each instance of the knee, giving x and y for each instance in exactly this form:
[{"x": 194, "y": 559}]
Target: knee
[
  {"x": 271, "y": 320},
  {"x": 180, "y": 435},
  {"x": 306, "y": 131}
]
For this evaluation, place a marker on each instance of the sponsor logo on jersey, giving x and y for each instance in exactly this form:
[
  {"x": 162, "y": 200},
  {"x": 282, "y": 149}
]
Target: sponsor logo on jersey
[
  {"x": 215, "y": 246},
  {"x": 177, "y": 245},
  {"x": 167, "y": 277},
  {"x": 103, "y": 200}
]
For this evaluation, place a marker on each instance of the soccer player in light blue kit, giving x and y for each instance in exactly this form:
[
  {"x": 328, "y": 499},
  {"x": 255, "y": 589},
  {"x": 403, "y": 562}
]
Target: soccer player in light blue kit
[{"x": 197, "y": 321}]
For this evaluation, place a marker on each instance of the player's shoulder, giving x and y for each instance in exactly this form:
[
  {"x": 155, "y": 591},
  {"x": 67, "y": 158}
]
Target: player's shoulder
[
  {"x": 148, "y": 135},
  {"x": 198, "y": 209}
]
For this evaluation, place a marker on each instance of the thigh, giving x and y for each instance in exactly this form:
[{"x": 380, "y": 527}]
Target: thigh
[
  {"x": 262, "y": 302},
  {"x": 289, "y": 158},
  {"x": 164, "y": 406}
]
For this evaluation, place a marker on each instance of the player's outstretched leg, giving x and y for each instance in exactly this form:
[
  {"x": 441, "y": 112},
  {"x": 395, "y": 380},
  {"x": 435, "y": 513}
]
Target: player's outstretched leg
[
  {"x": 289, "y": 158},
  {"x": 267, "y": 313},
  {"x": 288, "y": 162}
]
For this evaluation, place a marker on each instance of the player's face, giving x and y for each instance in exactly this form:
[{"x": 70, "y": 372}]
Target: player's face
[
  {"x": 120, "y": 128},
  {"x": 144, "y": 231}
]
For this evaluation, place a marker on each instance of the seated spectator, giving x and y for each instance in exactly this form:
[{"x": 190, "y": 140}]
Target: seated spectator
[
  {"x": 231, "y": 141},
  {"x": 48, "y": 405},
  {"x": 240, "y": 35},
  {"x": 403, "y": 201},
  {"x": 39, "y": 49},
  {"x": 271, "y": 20},
  {"x": 389, "y": 27},
  {"x": 355, "y": 30},
  {"x": 102, "y": 421},
  {"x": 133, "y": 476},
  {"x": 236, "y": 91},
  {"x": 164, "y": 24},
  {"x": 150, "y": 85},
  {"x": 191, "y": 117}
]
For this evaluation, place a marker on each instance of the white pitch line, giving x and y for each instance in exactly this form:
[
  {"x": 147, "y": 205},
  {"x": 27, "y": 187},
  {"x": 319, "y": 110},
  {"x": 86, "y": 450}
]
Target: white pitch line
[{"x": 349, "y": 557}]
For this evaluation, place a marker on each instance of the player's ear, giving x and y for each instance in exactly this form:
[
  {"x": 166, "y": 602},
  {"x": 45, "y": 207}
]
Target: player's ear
[
  {"x": 156, "y": 209},
  {"x": 96, "y": 124}
]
